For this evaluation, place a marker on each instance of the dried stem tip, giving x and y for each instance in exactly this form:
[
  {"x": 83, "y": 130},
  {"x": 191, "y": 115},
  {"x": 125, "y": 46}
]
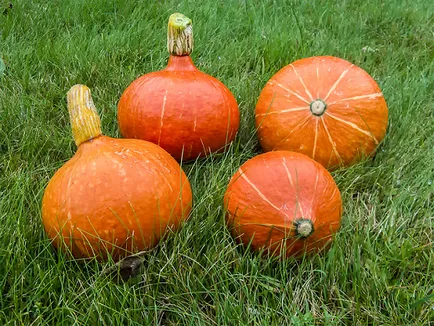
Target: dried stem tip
[
  {"x": 85, "y": 121},
  {"x": 303, "y": 227},
  {"x": 318, "y": 107},
  {"x": 179, "y": 35}
]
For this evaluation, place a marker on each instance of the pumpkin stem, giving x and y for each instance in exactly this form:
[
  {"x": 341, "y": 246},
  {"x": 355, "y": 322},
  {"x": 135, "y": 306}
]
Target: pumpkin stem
[
  {"x": 85, "y": 121},
  {"x": 179, "y": 35},
  {"x": 303, "y": 227},
  {"x": 318, "y": 107},
  {"x": 126, "y": 268}
]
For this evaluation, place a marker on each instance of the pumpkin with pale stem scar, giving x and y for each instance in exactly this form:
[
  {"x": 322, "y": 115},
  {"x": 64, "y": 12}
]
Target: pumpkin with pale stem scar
[
  {"x": 324, "y": 107},
  {"x": 283, "y": 202}
]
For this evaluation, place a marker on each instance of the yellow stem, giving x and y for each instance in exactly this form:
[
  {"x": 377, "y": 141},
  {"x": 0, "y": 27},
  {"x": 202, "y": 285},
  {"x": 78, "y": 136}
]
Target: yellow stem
[
  {"x": 179, "y": 35},
  {"x": 85, "y": 121}
]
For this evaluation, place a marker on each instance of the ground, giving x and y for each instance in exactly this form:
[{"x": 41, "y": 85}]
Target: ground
[{"x": 380, "y": 268}]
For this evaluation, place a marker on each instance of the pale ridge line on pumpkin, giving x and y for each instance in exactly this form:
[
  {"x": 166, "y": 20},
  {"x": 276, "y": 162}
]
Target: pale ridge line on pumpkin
[
  {"x": 314, "y": 192},
  {"x": 302, "y": 108},
  {"x": 297, "y": 203},
  {"x": 333, "y": 194},
  {"x": 297, "y": 193},
  {"x": 354, "y": 126},
  {"x": 331, "y": 141},
  {"x": 277, "y": 227},
  {"x": 287, "y": 172},
  {"x": 168, "y": 183},
  {"x": 369, "y": 130},
  {"x": 291, "y": 92},
  {"x": 337, "y": 82},
  {"x": 164, "y": 176},
  {"x": 302, "y": 82},
  {"x": 259, "y": 192},
  {"x": 162, "y": 116},
  {"x": 315, "y": 140},
  {"x": 360, "y": 97},
  {"x": 300, "y": 125},
  {"x": 317, "y": 79},
  {"x": 265, "y": 163}
]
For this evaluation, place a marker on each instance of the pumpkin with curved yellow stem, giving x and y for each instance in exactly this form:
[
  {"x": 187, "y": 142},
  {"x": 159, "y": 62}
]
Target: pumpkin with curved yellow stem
[
  {"x": 182, "y": 109},
  {"x": 114, "y": 196}
]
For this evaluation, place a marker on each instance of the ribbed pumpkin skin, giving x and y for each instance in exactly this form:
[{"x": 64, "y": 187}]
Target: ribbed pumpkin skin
[
  {"x": 271, "y": 192},
  {"x": 183, "y": 110},
  {"x": 113, "y": 191},
  {"x": 354, "y": 121}
]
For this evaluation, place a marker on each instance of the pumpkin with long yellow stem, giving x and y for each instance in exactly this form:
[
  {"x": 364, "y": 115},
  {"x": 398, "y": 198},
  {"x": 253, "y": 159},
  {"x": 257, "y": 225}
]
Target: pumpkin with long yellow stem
[
  {"x": 114, "y": 196},
  {"x": 182, "y": 109}
]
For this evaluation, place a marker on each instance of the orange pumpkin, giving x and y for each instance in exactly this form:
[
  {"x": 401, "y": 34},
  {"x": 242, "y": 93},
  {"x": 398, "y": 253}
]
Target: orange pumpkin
[
  {"x": 114, "y": 196},
  {"x": 283, "y": 200},
  {"x": 183, "y": 110},
  {"x": 324, "y": 107}
]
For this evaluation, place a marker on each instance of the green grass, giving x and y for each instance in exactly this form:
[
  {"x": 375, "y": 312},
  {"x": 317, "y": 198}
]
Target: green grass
[{"x": 380, "y": 268}]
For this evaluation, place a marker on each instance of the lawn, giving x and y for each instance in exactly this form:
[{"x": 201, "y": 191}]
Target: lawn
[{"x": 380, "y": 269}]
